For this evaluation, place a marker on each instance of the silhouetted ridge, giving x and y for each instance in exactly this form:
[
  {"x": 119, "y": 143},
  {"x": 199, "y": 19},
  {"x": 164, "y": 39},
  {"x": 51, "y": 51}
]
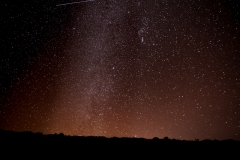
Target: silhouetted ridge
[{"x": 59, "y": 143}]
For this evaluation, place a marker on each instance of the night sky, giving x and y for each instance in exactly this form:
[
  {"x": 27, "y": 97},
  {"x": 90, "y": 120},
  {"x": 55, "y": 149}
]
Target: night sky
[{"x": 124, "y": 68}]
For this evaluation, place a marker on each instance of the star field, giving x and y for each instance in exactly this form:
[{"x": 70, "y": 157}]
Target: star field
[{"x": 122, "y": 68}]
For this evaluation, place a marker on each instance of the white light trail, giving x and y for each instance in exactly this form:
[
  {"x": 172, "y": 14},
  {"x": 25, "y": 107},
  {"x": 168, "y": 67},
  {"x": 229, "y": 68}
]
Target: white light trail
[{"x": 71, "y": 3}]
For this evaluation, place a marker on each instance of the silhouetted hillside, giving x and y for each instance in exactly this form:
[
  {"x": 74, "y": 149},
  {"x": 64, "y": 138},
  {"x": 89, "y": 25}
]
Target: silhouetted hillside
[{"x": 58, "y": 145}]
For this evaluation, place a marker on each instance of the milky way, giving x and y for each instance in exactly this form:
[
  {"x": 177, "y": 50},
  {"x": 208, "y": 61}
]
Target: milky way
[{"x": 122, "y": 68}]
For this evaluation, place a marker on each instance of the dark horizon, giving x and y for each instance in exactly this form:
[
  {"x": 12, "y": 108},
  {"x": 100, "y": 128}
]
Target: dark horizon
[
  {"x": 121, "y": 68},
  {"x": 28, "y": 144},
  {"x": 28, "y": 134}
]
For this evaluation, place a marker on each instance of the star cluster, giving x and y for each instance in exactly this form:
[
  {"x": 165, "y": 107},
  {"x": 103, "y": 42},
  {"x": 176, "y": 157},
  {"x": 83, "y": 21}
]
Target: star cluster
[{"x": 122, "y": 68}]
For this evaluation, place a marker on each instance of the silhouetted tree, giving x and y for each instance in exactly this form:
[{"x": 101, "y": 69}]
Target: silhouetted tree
[
  {"x": 166, "y": 138},
  {"x": 155, "y": 138},
  {"x": 61, "y": 134}
]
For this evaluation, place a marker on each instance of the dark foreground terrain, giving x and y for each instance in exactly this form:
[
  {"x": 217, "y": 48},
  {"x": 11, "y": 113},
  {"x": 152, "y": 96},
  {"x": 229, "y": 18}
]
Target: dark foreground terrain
[{"x": 37, "y": 145}]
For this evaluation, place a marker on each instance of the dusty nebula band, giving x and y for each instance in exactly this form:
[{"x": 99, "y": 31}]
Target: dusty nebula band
[{"x": 122, "y": 68}]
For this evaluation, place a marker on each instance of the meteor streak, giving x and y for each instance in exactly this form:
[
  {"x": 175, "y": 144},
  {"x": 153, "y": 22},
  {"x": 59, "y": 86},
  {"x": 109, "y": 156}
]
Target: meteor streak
[{"x": 64, "y": 4}]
